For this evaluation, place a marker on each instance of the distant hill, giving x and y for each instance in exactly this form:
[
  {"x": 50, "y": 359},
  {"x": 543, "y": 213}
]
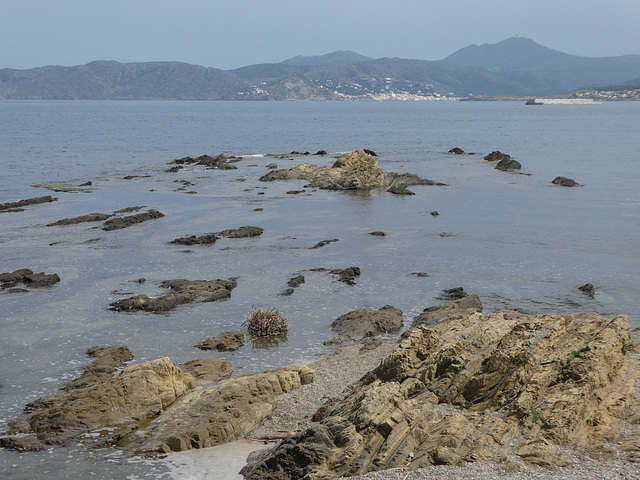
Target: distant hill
[
  {"x": 514, "y": 67},
  {"x": 339, "y": 57}
]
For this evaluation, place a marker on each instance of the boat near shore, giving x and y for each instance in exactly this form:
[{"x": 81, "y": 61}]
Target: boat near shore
[{"x": 562, "y": 101}]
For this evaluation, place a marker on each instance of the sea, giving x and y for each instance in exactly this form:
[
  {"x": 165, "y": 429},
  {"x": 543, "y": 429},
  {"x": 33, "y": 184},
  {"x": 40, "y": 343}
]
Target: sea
[{"x": 513, "y": 238}]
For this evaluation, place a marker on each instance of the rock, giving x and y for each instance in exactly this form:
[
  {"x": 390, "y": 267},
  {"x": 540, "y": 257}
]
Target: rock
[
  {"x": 209, "y": 370},
  {"x": 464, "y": 390},
  {"x": 565, "y": 182},
  {"x": 378, "y": 234},
  {"x": 208, "y": 239},
  {"x": 287, "y": 292},
  {"x": 227, "y": 342},
  {"x": 434, "y": 213},
  {"x": 346, "y": 275},
  {"x": 508, "y": 164},
  {"x": 29, "y": 443},
  {"x": 400, "y": 190},
  {"x": 588, "y": 289},
  {"x": 324, "y": 243},
  {"x": 321, "y": 152},
  {"x": 496, "y": 155},
  {"x": 221, "y": 161},
  {"x": 242, "y": 232},
  {"x": 104, "y": 397},
  {"x": 458, "y": 309},
  {"x": 272, "y": 166},
  {"x": 352, "y": 171},
  {"x": 182, "y": 291},
  {"x": 124, "y": 222},
  {"x": 295, "y": 282},
  {"x": 455, "y": 293},
  {"x": 27, "y": 277},
  {"x": 90, "y": 217},
  {"x": 408, "y": 180},
  {"x": 17, "y": 206},
  {"x": 456, "y": 151},
  {"x": 219, "y": 414},
  {"x": 366, "y": 322}
]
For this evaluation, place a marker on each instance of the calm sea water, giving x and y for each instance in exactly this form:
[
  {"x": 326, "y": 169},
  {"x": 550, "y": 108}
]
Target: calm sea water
[{"x": 516, "y": 240}]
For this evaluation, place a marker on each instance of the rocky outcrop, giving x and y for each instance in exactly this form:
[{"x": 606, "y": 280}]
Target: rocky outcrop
[
  {"x": 124, "y": 222},
  {"x": 18, "y": 206},
  {"x": 565, "y": 182},
  {"x": 496, "y": 156},
  {"x": 208, "y": 239},
  {"x": 227, "y": 342},
  {"x": 365, "y": 322},
  {"x": 219, "y": 414},
  {"x": 182, "y": 291},
  {"x": 89, "y": 217},
  {"x": 458, "y": 309},
  {"x": 221, "y": 162},
  {"x": 508, "y": 164},
  {"x": 152, "y": 407},
  {"x": 463, "y": 390},
  {"x": 26, "y": 276}
]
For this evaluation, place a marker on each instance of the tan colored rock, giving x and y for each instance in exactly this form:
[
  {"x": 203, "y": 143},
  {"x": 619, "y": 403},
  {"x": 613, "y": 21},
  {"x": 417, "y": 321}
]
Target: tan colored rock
[
  {"x": 208, "y": 370},
  {"x": 469, "y": 386}
]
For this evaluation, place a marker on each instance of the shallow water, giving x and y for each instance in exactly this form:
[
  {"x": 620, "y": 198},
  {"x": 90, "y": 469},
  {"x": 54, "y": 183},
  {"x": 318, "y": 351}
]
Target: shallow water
[{"x": 516, "y": 240}]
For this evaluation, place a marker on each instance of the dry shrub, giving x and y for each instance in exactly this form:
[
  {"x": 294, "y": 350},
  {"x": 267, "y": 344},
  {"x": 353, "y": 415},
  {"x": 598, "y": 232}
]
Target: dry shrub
[{"x": 266, "y": 323}]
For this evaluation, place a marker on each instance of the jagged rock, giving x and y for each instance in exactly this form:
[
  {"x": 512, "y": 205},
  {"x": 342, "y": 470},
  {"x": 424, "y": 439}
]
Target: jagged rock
[
  {"x": 221, "y": 161},
  {"x": 295, "y": 282},
  {"x": 29, "y": 443},
  {"x": 324, "y": 243},
  {"x": 219, "y": 414},
  {"x": 400, "y": 190},
  {"x": 105, "y": 398},
  {"x": 455, "y": 293},
  {"x": 242, "y": 232},
  {"x": 496, "y": 155},
  {"x": 27, "y": 277},
  {"x": 588, "y": 289},
  {"x": 458, "y": 309},
  {"x": 208, "y": 239},
  {"x": 456, "y": 151},
  {"x": 17, "y": 206},
  {"x": 346, "y": 275},
  {"x": 90, "y": 217},
  {"x": 208, "y": 370},
  {"x": 507, "y": 164},
  {"x": 227, "y": 342},
  {"x": 463, "y": 390},
  {"x": 565, "y": 182},
  {"x": 408, "y": 180},
  {"x": 124, "y": 222},
  {"x": 182, "y": 291},
  {"x": 366, "y": 322}
]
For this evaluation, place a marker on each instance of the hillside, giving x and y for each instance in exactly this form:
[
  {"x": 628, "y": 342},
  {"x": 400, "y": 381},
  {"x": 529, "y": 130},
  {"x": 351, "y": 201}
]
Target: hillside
[{"x": 513, "y": 67}]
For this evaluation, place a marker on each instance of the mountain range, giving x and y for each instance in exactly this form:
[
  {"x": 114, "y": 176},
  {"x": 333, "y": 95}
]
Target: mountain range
[{"x": 516, "y": 66}]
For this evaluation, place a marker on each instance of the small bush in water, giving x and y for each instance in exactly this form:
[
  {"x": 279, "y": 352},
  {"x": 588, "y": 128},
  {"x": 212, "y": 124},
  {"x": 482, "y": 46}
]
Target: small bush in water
[{"x": 266, "y": 323}]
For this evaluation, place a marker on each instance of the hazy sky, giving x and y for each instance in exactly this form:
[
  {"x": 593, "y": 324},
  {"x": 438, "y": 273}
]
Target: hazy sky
[{"x": 228, "y": 34}]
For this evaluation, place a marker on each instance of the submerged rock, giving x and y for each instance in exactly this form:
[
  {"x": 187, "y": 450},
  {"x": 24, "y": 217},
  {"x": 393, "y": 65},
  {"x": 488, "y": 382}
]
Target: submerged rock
[
  {"x": 508, "y": 164},
  {"x": 565, "y": 182},
  {"x": 242, "y": 232},
  {"x": 124, "y": 222},
  {"x": 208, "y": 239},
  {"x": 89, "y": 217},
  {"x": 588, "y": 289},
  {"x": 18, "y": 206},
  {"x": 497, "y": 155},
  {"x": 463, "y": 390},
  {"x": 26, "y": 276},
  {"x": 182, "y": 291}
]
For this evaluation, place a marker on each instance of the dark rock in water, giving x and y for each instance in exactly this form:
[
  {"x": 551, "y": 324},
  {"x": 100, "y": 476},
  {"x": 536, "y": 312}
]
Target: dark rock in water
[
  {"x": 28, "y": 278},
  {"x": 207, "y": 239},
  {"x": 208, "y": 370},
  {"x": 295, "y": 282},
  {"x": 378, "y": 233},
  {"x": 288, "y": 292},
  {"x": 182, "y": 291},
  {"x": 366, "y": 322},
  {"x": 496, "y": 156},
  {"x": 174, "y": 169},
  {"x": 565, "y": 182},
  {"x": 347, "y": 275},
  {"x": 90, "y": 217},
  {"x": 461, "y": 308},
  {"x": 400, "y": 190},
  {"x": 420, "y": 274},
  {"x": 295, "y": 192},
  {"x": 124, "y": 222},
  {"x": 272, "y": 166},
  {"x": 434, "y": 213},
  {"x": 456, "y": 151},
  {"x": 588, "y": 289},
  {"x": 17, "y": 206},
  {"x": 242, "y": 232},
  {"x": 507, "y": 164},
  {"x": 408, "y": 180},
  {"x": 324, "y": 243},
  {"x": 221, "y": 161},
  {"x": 227, "y": 342},
  {"x": 129, "y": 209},
  {"x": 455, "y": 293},
  {"x": 22, "y": 444},
  {"x": 370, "y": 152},
  {"x": 321, "y": 152}
]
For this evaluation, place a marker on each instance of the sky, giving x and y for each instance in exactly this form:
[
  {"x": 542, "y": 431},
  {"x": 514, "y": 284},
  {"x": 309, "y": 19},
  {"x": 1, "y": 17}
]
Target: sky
[{"x": 229, "y": 34}]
